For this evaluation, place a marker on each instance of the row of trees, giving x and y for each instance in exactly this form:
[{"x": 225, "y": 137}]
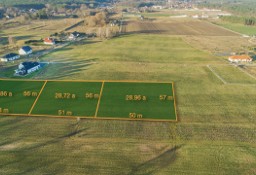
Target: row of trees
[
  {"x": 246, "y": 8},
  {"x": 250, "y": 21},
  {"x": 240, "y": 19}
]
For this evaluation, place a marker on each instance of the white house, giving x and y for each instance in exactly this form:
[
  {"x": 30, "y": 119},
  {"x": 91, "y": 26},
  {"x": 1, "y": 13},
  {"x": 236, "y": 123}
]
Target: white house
[
  {"x": 74, "y": 35},
  {"x": 195, "y": 16},
  {"x": 240, "y": 58},
  {"x": 10, "y": 57},
  {"x": 25, "y": 50},
  {"x": 27, "y": 68}
]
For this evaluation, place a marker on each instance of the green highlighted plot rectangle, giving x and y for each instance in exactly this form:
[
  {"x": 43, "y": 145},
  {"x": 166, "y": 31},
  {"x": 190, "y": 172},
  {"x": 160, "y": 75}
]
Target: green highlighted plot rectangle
[
  {"x": 123, "y": 100},
  {"x": 68, "y": 99},
  {"x": 17, "y": 97},
  {"x": 137, "y": 100}
]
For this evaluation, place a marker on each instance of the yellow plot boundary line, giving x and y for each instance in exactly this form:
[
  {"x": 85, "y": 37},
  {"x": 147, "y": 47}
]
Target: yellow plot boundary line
[
  {"x": 87, "y": 117},
  {"x": 98, "y": 105},
  {"x": 122, "y": 81},
  {"x": 174, "y": 98},
  {"x": 31, "y": 109}
]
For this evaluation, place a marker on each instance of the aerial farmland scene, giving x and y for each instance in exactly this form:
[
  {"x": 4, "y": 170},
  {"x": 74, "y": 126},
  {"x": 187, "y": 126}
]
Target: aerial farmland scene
[{"x": 127, "y": 87}]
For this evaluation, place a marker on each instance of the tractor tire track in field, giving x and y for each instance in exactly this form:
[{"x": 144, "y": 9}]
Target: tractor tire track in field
[
  {"x": 156, "y": 164},
  {"x": 234, "y": 83},
  {"x": 247, "y": 73},
  {"x": 217, "y": 75}
]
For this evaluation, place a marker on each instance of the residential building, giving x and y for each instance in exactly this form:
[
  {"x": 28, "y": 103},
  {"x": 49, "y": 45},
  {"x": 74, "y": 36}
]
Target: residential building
[
  {"x": 10, "y": 57},
  {"x": 240, "y": 58},
  {"x": 25, "y": 50},
  {"x": 27, "y": 68}
]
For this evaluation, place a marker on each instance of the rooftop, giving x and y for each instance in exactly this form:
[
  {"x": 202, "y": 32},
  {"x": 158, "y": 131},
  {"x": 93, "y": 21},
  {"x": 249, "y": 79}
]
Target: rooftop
[
  {"x": 49, "y": 40},
  {"x": 10, "y": 55},
  {"x": 26, "y": 48},
  {"x": 30, "y": 64},
  {"x": 240, "y": 57}
]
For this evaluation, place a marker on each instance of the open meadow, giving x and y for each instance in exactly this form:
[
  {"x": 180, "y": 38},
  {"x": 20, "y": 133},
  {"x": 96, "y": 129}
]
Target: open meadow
[{"x": 215, "y": 132}]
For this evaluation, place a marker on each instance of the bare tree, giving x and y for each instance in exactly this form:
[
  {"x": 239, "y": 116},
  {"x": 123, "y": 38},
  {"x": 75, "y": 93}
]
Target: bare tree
[{"x": 100, "y": 19}]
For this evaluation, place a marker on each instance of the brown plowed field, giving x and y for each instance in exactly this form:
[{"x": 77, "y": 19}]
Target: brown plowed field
[{"x": 176, "y": 28}]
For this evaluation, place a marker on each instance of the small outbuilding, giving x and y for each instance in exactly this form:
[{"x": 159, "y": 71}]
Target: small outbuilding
[
  {"x": 10, "y": 57},
  {"x": 27, "y": 68},
  {"x": 240, "y": 58},
  {"x": 25, "y": 50}
]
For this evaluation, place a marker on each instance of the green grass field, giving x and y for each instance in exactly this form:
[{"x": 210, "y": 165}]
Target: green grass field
[
  {"x": 133, "y": 57},
  {"x": 240, "y": 28},
  {"x": 215, "y": 133}
]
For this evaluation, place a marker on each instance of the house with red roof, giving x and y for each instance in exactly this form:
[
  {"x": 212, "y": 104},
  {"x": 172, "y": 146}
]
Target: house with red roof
[
  {"x": 49, "y": 41},
  {"x": 240, "y": 58}
]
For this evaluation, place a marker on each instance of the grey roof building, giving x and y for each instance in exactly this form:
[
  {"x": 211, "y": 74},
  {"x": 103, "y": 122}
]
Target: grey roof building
[
  {"x": 27, "y": 68},
  {"x": 10, "y": 57}
]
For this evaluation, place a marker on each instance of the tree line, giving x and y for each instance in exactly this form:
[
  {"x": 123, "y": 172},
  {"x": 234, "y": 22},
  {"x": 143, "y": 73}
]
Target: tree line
[
  {"x": 250, "y": 21},
  {"x": 246, "y": 8}
]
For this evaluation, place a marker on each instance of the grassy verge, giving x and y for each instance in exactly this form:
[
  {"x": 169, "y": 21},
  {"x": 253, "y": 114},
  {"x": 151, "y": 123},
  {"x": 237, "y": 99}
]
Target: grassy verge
[{"x": 240, "y": 28}]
